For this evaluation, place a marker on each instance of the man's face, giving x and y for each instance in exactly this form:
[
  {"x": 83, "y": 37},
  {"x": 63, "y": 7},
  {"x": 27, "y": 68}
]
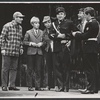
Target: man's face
[
  {"x": 61, "y": 15},
  {"x": 36, "y": 25},
  {"x": 19, "y": 20},
  {"x": 81, "y": 15},
  {"x": 47, "y": 24},
  {"x": 87, "y": 16}
]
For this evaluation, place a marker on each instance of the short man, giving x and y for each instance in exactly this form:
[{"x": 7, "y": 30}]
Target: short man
[
  {"x": 11, "y": 45},
  {"x": 60, "y": 34},
  {"x": 90, "y": 50},
  {"x": 33, "y": 39},
  {"x": 48, "y": 51}
]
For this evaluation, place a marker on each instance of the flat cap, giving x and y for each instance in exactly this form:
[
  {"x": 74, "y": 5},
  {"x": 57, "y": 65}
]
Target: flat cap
[
  {"x": 18, "y": 14},
  {"x": 34, "y": 19},
  {"x": 46, "y": 18},
  {"x": 60, "y": 9}
]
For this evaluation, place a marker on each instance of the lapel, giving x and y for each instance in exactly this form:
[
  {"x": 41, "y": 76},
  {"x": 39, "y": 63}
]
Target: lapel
[{"x": 35, "y": 35}]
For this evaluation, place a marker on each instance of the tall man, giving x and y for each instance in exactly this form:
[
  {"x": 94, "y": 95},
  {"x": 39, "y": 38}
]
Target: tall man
[
  {"x": 48, "y": 51},
  {"x": 10, "y": 47},
  {"x": 33, "y": 39},
  {"x": 90, "y": 50},
  {"x": 81, "y": 27},
  {"x": 60, "y": 34}
]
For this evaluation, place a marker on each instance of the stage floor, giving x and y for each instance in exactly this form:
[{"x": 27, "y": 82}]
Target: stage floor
[{"x": 24, "y": 93}]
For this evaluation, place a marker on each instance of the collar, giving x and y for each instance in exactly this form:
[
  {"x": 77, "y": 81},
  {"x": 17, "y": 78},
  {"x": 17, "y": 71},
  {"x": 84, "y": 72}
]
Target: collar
[
  {"x": 35, "y": 30},
  {"x": 14, "y": 23},
  {"x": 92, "y": 18}
]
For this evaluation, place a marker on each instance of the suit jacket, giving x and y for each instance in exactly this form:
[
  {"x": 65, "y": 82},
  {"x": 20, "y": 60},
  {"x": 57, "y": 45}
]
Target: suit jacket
[
  {"x": 76, "y": 44},
  {"x": 46, "y": 40},
  {"x": 65, "y": 27},
  {"x": 91, "y": 31},
  {"x": 30, "y": 36}
]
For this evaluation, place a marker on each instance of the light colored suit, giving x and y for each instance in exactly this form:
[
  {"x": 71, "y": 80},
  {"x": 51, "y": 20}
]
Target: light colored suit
[
  {"x": 30, "y": 36},
  {"x": 34, "y": 58}
]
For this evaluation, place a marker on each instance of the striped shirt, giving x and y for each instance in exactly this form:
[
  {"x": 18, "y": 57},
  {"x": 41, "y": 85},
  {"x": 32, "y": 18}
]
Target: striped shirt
[{"x": 11, "y": 38}]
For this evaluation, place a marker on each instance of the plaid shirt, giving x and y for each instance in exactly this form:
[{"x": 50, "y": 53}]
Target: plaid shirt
[{"x": 11, "y": 38}]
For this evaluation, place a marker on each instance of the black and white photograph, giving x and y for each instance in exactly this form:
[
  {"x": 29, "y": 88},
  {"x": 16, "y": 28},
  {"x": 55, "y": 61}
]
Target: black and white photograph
[{"x": 50, "y": 50}]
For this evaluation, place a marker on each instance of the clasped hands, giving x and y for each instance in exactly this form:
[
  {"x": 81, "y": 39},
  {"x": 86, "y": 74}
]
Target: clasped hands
[
  {"x": 36, "y": 44},
  {"x": 74, "y": 33}
]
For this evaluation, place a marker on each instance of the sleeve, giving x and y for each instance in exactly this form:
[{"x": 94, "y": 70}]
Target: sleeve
[
  {"x": 21, "y": 42},
  {"x": 4, "y": 34},
  {"x": 86, "y": 34},
  {"x": 52, "y": 34},
  {"x": 26, "y": 39}
]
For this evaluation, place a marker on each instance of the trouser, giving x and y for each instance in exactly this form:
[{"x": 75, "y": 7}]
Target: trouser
[
  {"x": 9, "y": 67},
  {"x": 61, "y": 63},
  {"x": 49, "y": 68},
  {"x": 34, "y": 64},
  {"x": 90, "y": 61}
]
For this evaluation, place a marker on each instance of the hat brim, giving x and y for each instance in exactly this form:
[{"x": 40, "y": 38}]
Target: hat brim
[
  {"x": 21, "y": 16},
  {"x": 45, "y": 21},
  {"x": 59, "y": 12}
]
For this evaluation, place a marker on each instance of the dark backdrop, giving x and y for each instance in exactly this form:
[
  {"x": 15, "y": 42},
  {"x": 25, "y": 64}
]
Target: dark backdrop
[{"x": 39, "y": 10}]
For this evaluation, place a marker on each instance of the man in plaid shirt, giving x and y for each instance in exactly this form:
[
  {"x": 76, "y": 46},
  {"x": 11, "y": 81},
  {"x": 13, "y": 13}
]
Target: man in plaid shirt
[{"x": 11, "y": 47}]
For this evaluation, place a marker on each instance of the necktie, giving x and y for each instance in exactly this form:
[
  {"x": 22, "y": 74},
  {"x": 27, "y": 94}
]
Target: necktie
[{"x": 36, "y": 32}]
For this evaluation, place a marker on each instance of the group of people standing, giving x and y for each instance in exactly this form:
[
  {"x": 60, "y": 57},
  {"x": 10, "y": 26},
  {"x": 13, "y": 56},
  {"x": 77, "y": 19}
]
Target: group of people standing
[{"x": 60, "y": 42}]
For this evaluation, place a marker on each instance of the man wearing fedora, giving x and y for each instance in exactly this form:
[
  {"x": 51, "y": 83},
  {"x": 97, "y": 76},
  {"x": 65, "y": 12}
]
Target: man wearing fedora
[
  {"x": 60, "y": 33},
  {"x": 11, "y": 48},
  {"x": 33, "y": 39},
  {"x": 48, "y": 51}
]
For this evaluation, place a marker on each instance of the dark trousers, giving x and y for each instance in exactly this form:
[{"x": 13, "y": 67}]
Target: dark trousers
[
  {"x": 9, "y": 67},
  {"x": 90, "y": 61},
  {"x": 49, "y": 68},
  {"x": 61, "y": 63},
  {"x": 34, "y": 64}
]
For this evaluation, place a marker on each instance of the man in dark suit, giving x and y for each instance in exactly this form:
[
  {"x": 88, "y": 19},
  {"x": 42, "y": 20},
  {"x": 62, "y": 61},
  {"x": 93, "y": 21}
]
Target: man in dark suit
[
  {"x": 33, "y": 39},
  {"x": 48, "y": 52},
  {"x": 90, "y": 50},
  {"x": 60, "y": 34}
]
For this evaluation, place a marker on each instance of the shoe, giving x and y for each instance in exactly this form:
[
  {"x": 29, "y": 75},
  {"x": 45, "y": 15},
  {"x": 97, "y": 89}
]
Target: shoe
[
  {"x": 14, "y": 88},
  {"x": 82, "y": 90},
  {"x": 66, "y": 90},
  {"x": 4, "y": 88},
  {"x": 30, "y": 89},
  {"x": 61, "y": 90},
  {"x": 88, "y": 92},
  {"x": 95, "y": 91},
  {"x": 47, "y": 88},
  {"x": 57, "y": 89},
  {"x": 38, "y": 89}
]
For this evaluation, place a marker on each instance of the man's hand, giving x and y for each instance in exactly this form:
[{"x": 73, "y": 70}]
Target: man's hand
[
  {"x": 61, "y": 36},
  {"x": 52, "y": 35},
  {"x": 39, "y": 44},
  {"x": 3, "y": 52},
  {"x": 21, "y": 51},
  {"x": 68, "y": 43},
  {"x": 33, "y": 44},
  {"x": 74, "y": 33},
  {"x": 64, "y": 41}
]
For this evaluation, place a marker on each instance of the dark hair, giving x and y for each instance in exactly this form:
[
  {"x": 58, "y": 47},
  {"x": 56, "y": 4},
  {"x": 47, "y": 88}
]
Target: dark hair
[
  {"x": 89, "y": 10},
  {"x": 81, "y": 9}
]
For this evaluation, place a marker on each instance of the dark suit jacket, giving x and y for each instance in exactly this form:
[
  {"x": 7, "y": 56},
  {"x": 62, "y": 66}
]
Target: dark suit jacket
[
  {"x": 65, "y": 27},
  {"x": 31, "y": 37},
  {"x": 91, "y": 31},
  {"x": 46, "y": 40}
]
